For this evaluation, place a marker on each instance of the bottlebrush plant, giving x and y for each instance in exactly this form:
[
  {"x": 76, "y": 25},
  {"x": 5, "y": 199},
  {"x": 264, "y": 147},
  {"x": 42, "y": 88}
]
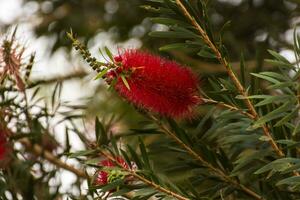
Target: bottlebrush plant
[{"x": 229, "y": 136}]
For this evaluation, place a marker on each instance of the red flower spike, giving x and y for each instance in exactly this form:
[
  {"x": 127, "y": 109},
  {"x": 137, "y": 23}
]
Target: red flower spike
[
  {"x": 101, "y": 178},
  {"x": 157, "y": 84},
  {"x": 107, "y": 163},
  {"x": 122, "y": 162},
  {"x": 118, "y": 59}
]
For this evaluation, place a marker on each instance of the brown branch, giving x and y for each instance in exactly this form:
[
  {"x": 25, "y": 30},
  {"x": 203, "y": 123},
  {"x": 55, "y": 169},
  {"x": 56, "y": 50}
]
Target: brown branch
[
  {"x": 39, "y": 151},
  {"x": 232, "y": 76},
  {"x": 219, "y": 172},
  {"x": 73, "y": 75}
]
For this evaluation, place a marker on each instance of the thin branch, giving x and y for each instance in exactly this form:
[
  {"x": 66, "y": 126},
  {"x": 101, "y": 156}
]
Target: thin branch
[
  {"x": 219, "y": 172},
  {"x": 231, "y": 74},
  {"x": 73, "y": 75},
  {"x": 39, "y": 151},
  {"x": 227, "y": 106},
  {"x": 146, "y": 181}
]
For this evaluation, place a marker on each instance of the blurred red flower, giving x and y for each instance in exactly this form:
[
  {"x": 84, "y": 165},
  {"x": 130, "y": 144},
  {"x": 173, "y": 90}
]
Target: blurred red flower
[
  {"x": 2, "y": 145},
  {"x": 5, "y": 149}
]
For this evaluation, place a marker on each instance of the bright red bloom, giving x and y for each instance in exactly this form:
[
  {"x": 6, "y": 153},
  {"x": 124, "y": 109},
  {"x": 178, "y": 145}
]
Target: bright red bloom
[
  {"x": 156, "y": 84},
  {"x": 102, "y": 176},
  {"x": 109, "y": 163}
]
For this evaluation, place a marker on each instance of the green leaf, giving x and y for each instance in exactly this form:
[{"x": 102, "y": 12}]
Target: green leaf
[
  {"x": 287, "y": 118},
  {"x": 296, "y": 129},
  {"x": 174, "y": 46},
  {"x": 135, "y": 157},
  {"x": 206, "y": 53},
  {"x": 283, "y": 85},
  {"x": 101, "y": 74},
  {"x": 109, "y": 54},
  {"x": 240, "y": 138},
  {"x": 279, "y": 112},
  {"x": 273, "y": 99},
  {"x": 81, "y": 153},
  {"x": 125, "y": 81},
  {"x": 144, "y": 154},
  {"x": 279, "y": 63},
  {"x": 278, "y": 56},
  {"x": 93, "y": 162},
  {"x": 100, "y": 132},
  {"x": 56, "y": 93},
  {"x": 246, "y": 157},
  {"x": 267, "y": 78},
  {"x": 262, "y": 96},
  {"x": 295, "y": 180},
  {"x": 112, "y": 185},
  {"x": 278, "y": 165},
  {"x": 290, "y": 143},
  {"x": 180, "y": 133},
  {"x": 114, "y": 144},
  {"x": 217, "y": 88},
  {"x": 276, "y": 76}
]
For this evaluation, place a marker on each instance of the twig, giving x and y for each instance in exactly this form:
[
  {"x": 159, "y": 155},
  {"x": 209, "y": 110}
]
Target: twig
[
  {"x": 230, "y": 107},
  {"x": 73, "y": 75},
  {"x": 232, "y": 76},
  {"x": 39, "y": 151}
]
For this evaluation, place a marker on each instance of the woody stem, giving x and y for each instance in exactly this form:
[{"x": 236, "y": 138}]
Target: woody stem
[{"x": 39, "y": 151}]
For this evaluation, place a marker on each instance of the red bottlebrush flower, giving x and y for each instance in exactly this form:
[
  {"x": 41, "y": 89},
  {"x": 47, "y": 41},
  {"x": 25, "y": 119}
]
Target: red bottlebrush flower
[
  {"x": 102, "y": 176},
  {"x": 109, "y": 163},
  {"x": 157, "y": 84}
]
